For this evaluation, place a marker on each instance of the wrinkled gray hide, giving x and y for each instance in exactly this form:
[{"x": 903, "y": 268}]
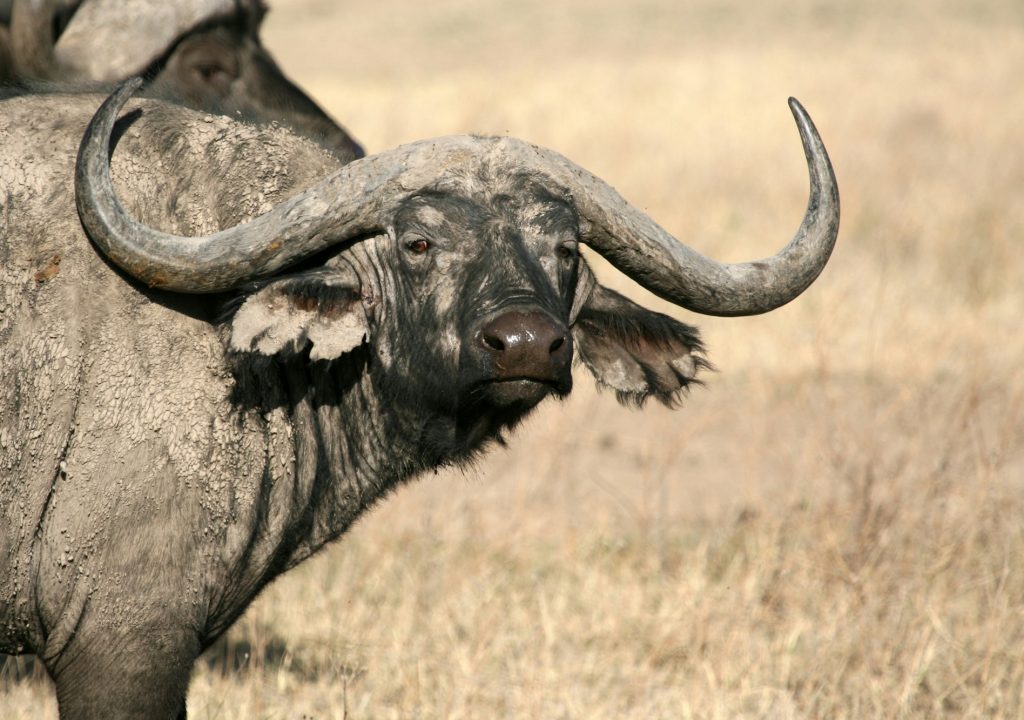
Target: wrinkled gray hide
[
  {"x": 205, "y": 54},
  {"x": 130, "y": 486}
]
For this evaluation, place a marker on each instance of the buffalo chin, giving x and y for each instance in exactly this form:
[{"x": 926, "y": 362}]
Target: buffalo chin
[
  {"x": 495, "y": 407},
  {"x": 519, "y": 394}
]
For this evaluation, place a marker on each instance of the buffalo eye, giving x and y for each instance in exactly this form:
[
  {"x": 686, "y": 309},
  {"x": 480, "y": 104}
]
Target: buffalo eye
[
  {"x": 208, "y": 61},
  {"x": 215, "y": 75},
  {"x": 566, "y": 252},
  {"x": 209, "y": 71},
  {"x": 418, "y": 246}
]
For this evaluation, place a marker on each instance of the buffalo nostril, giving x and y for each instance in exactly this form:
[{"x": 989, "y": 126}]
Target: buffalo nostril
[
  {"x": 559, "y": 342},
  {"x": 494, "y": 343}
]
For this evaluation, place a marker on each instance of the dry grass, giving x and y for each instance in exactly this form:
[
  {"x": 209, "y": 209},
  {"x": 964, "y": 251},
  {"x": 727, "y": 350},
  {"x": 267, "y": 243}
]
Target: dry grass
[{"x": 833, "y": 528}]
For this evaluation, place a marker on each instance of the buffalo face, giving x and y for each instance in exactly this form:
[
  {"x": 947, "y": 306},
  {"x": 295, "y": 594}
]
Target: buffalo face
[
  {"x": 473, "y": 304},
  {"x": 489, "y": 270},
  {"x": 457, "y": 260}
]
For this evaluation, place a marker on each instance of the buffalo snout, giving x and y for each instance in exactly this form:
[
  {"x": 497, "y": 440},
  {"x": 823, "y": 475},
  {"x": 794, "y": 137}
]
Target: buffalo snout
[{"x": 527, "y": 345}]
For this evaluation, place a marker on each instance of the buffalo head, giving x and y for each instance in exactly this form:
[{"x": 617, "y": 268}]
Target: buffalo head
[
  {"x": 455, "y": 263},
  {"x": 205, "y": 54}
]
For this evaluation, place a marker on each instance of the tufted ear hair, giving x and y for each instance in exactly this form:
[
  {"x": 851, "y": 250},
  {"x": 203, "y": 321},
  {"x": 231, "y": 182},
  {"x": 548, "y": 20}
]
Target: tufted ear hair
[
  {"x": 636, "y": 352},
  {"x": 323, "y": 309}
]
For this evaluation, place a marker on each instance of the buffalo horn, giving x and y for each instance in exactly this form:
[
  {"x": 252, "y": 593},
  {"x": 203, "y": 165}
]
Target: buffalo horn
[
  {"x": 32, "y": 28},
  {"x": 357, "y": 200}
]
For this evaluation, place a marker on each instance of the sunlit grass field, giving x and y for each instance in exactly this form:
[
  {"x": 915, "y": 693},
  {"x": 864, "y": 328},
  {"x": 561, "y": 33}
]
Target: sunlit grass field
[{"x": 834, "y": 526}]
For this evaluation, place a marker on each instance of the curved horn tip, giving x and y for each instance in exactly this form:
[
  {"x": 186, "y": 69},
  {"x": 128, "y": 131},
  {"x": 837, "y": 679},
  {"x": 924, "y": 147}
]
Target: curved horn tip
[
  {"x": 808, "y": 130},
  {"x": 107, "y": 114},
  {"x": 800, "y": 113},
  {"x": 803, "y": 120},
  {"x": 128, "y": 87},
  {"x": 102, "y": 123}
]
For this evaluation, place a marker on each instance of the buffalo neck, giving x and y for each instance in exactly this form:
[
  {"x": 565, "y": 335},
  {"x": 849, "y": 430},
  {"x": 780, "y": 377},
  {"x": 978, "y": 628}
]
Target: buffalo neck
[{"x": 334, "y": 445}]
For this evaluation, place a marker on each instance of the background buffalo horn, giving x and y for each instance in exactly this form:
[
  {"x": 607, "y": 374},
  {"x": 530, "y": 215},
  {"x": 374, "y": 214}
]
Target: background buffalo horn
[
  {"x": 32, "y": 28},
  {"x": 357, "y": 199}
]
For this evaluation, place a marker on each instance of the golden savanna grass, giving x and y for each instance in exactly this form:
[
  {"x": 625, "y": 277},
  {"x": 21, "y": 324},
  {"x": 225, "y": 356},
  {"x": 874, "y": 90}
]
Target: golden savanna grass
[{"x": 834, "y": 526}]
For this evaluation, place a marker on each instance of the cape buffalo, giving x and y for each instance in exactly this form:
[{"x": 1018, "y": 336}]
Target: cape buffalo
[
  {"x": 205, "y": 54},
  {"x": 182, "y": 419}
]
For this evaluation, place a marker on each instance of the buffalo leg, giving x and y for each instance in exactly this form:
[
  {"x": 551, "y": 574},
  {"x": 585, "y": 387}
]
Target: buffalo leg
[{"x": 139, "y": 676}]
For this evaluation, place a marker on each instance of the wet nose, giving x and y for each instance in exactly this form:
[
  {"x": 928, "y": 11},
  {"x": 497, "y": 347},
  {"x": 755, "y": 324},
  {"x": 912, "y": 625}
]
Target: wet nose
[{"x": 527, "y": 345}]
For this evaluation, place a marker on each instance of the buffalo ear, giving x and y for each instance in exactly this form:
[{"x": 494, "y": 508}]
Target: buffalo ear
[
  {"x": 317, "y": 309},
  {"x": 636, "y": 352}
]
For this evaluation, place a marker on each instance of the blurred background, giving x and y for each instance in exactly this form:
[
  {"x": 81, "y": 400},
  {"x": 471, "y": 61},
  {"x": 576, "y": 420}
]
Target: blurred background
[{"x": 834, "y": 525}]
